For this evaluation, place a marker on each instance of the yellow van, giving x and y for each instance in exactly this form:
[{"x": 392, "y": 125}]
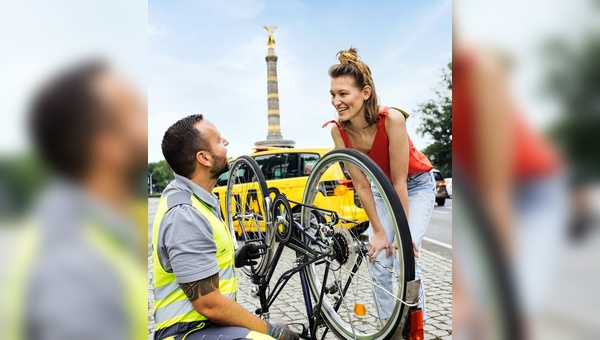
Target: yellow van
[{"x": 287, "y": 170}]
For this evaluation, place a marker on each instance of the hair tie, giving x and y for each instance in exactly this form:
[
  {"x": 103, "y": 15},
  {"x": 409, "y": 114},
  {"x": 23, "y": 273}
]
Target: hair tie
[{"x": 345, "y": 55}]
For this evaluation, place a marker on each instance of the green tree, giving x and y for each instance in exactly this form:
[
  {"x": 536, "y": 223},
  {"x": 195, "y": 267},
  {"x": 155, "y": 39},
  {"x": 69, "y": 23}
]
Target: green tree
[
  {"x": 161, "y": 175},
  {"x": 22, "y": 178},
  {"x": 573, "y": 81},
  {"x": 436, "y": 122}
]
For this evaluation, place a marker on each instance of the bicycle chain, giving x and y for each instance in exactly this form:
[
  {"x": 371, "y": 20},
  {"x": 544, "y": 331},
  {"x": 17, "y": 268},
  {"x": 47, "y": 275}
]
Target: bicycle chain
[{"x": 393, "y": 272}]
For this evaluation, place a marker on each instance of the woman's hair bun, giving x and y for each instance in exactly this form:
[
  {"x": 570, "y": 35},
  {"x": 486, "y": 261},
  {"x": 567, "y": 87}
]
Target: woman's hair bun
[{"x": 347, "y": 56}]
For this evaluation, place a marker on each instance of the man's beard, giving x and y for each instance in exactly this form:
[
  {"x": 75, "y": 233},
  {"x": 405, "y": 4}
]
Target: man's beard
[{"x": 220, "y": 167}]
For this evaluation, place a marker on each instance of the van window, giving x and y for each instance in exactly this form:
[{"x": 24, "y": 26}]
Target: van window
[
  {"x": 278, "y": 166},
  {"x": 292, "y": 168},
  {"x": 222, "y": 180},
  {"x": 438, "y": 176},
  {"x": 307, "y": 163}
]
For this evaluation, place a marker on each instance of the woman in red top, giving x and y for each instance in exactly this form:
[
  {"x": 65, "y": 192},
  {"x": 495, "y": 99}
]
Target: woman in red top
[{"x": 380, "y": 133}]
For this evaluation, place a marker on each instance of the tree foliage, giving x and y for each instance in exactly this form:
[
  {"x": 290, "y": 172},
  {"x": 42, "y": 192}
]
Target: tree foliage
[
  {"x": 22, "y": 178},
  {"x": 161, "y": 175},
  {"x": 436, "y": 122},
  {"x": 573, "y": 81}
]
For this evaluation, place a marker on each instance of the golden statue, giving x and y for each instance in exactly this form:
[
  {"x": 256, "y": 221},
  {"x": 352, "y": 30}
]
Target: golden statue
[{"x": 271, "y": 29}]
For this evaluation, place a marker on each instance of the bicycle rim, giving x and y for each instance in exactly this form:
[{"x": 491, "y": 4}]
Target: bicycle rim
[
  {"x": 248, "y": 209},
  {"x": 357, "y": 309}
]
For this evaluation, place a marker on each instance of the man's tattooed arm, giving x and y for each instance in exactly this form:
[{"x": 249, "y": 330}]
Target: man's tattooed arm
[{"x": 193, "y": 290}]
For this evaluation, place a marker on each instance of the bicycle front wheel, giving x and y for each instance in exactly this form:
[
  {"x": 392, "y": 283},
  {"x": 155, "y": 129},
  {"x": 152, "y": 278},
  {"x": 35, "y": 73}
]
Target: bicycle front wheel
[
  {"x": 358, "y": 299},
  {"x": 248, "y": 210}
]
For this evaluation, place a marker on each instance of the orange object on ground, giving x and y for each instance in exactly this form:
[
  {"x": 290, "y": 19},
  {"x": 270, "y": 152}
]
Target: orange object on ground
[{"x": 360, "y": 309}]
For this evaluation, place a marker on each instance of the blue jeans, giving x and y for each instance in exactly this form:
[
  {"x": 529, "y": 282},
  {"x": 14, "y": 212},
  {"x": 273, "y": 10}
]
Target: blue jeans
[
  {"x": 421, "y": 198},
  {"x": 541, "y": 208}
]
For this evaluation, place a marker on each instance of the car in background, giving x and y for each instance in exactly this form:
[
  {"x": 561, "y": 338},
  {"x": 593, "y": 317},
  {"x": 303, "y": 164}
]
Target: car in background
[
  {"x": 449, "y": 186},
  {"x": 286, "y": 171},
  {"x": 440, "y": 188}
]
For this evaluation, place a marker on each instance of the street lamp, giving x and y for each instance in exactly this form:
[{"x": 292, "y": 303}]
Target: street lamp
[{"x": 432, "y": 158}]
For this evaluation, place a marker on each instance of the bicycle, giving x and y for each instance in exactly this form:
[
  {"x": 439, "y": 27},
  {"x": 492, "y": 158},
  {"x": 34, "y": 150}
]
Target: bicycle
[{"x": 331, "y": 247}]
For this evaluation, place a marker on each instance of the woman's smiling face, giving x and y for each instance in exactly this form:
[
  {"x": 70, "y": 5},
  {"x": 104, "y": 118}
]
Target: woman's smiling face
[{"x": 347, "y": 98}]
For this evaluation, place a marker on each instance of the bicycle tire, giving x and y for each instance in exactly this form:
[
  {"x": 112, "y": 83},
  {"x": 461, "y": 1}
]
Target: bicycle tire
[
  {"x": 250, "y": 181},
  {"x": 489, "y": 276},
  {"x": 405, "y": 257}
]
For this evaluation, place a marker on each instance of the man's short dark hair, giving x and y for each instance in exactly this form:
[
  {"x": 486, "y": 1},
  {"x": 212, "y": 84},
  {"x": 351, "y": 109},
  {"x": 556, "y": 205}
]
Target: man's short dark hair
[
  {"x": 181, "y": 143},
  {"x": 64, "y": 118}
]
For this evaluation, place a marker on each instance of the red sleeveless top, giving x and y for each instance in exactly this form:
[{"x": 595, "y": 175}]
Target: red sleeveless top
[
  {"x": 417, "y": 161},
  {"x": 531, "y": 155}
]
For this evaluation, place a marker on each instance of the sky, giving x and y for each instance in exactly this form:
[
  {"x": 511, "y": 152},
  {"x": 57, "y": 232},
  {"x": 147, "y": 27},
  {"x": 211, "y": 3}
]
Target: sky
[
  {"x": 521, "y": 29},
  {"x": 208, "y": 57},
  {"x": 39, "y": 38}
]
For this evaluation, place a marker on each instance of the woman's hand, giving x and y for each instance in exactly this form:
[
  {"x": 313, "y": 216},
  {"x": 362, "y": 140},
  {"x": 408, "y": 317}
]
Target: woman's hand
[
  {"x": 415, "y": 249},
  {"x": 377, "y": 243},
  {"x": 395, "y": 249}
]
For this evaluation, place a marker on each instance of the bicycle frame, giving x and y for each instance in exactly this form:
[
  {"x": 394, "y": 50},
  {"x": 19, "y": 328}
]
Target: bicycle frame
[{"x": 307, "y": 257}]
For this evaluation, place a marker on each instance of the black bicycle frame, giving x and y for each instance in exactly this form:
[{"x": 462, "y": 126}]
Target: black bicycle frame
[
  {"x": 314, "y": 258},
  {"x": 308, "y": 256}
]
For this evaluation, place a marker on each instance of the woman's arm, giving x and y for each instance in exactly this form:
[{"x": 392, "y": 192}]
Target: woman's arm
[
  {"x": 362, "y": 186},
  {"x": 395, "y": 126},
  {"x": 492, "y": 124}
]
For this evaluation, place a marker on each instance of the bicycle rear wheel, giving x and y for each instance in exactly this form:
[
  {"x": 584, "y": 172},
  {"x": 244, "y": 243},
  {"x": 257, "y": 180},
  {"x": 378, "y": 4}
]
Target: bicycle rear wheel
[
  {"x": 248, "y": 210},
  {"x": 357, "y": 303}
]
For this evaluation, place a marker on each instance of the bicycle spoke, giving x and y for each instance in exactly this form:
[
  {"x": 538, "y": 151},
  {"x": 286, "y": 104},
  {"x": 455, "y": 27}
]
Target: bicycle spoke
[
  {"x": 247, "y": 205},
  {"x": 347, "y": 310}
]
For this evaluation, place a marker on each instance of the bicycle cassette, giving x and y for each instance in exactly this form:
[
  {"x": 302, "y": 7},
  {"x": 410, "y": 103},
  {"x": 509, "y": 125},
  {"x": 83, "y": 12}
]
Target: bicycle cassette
[{"x": 344, "y": 246}]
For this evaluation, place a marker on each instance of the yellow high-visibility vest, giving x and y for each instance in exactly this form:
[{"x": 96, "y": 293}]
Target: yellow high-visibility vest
[
  {"x": 173, "y": 311},
  {"x": 120, "y": 258}
]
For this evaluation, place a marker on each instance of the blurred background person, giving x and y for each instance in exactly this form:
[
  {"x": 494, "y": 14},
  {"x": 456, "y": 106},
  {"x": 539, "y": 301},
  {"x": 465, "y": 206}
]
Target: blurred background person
[
  {"x": 515, "y": 174},
  {"x": 79, "y": 269},
  {"x": 514, "y": 274},
  {"x": 70, "y": 221}
]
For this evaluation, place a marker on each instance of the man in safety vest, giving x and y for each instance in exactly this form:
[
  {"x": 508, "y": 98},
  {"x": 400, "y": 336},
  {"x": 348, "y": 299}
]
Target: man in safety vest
[
  {"x": 195, "y": 285},
  {"x": 78, "y": 264}
]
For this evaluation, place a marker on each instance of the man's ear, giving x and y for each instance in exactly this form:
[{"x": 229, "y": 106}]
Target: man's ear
[
  {"x": 367, "y": 92},
  {"x": 204, "y": 158}
]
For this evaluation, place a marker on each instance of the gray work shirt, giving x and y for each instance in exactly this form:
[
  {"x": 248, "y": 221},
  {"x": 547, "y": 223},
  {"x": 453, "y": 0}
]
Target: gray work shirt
[
  {"x": 185, "y": 241},
  {"x": 74, "y": 291}
]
